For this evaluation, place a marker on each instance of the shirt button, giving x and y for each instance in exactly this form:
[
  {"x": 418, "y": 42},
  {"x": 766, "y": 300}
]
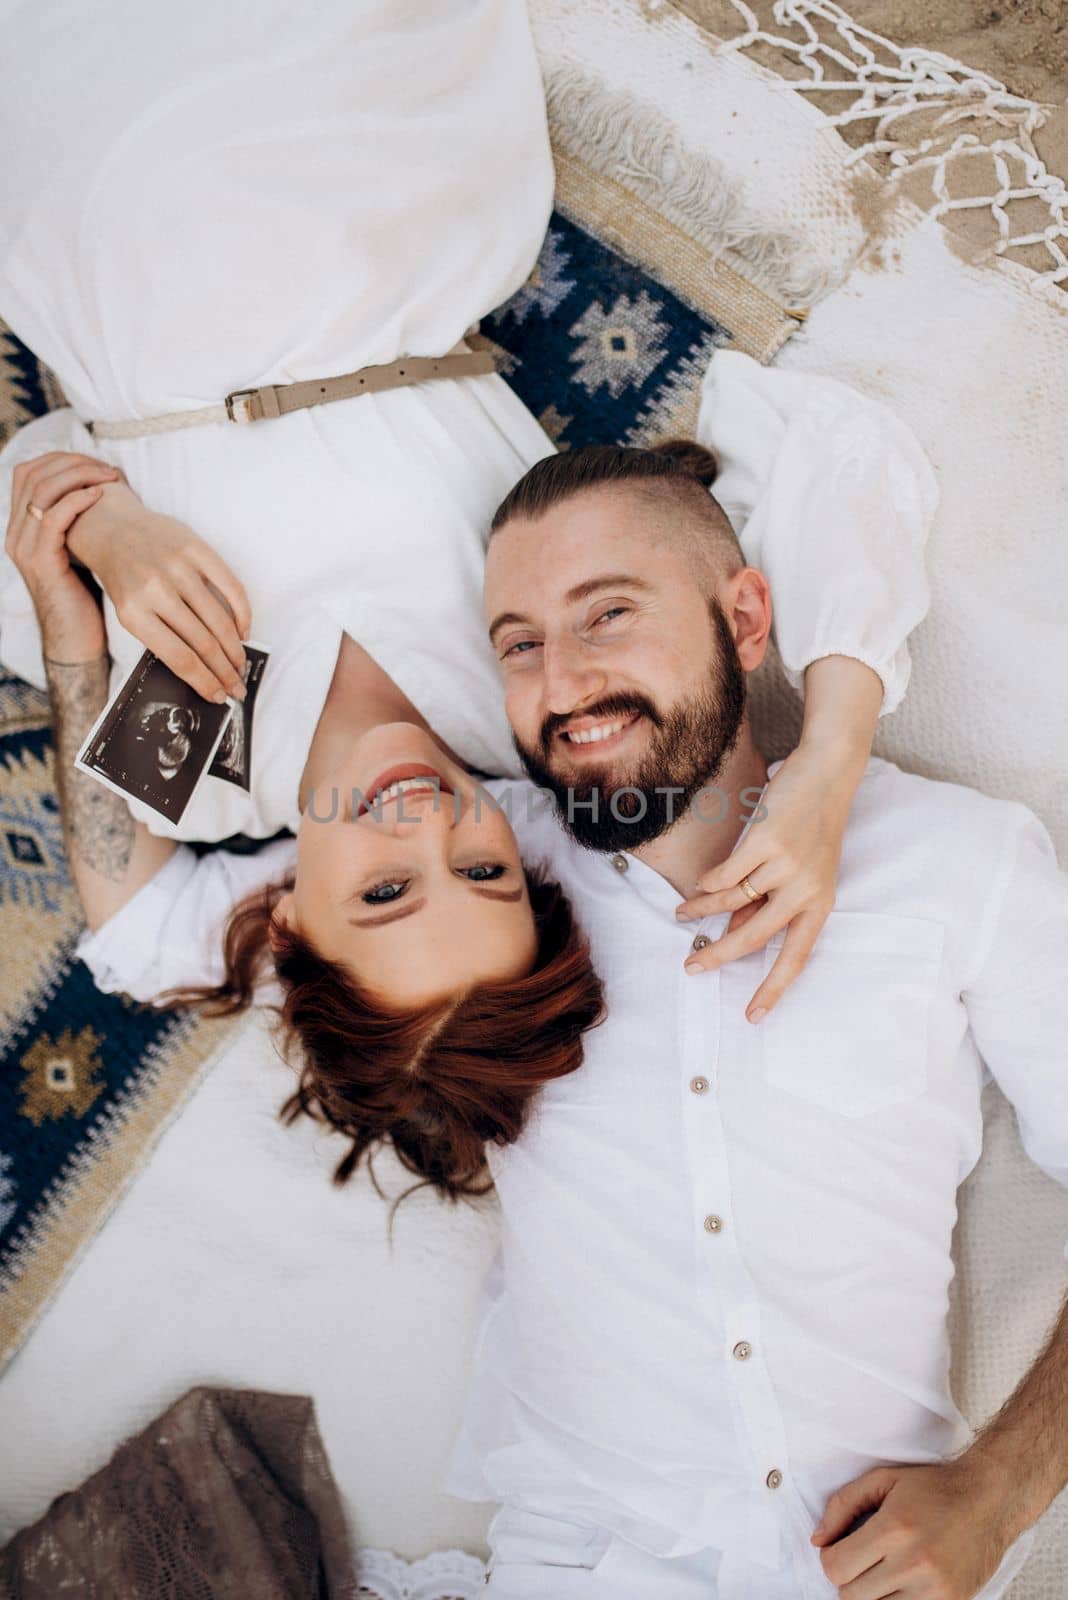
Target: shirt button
[
  {"x": 774, "y": 1478},
  {"x": 620, "y": 863},
  {"x": 701, "y": 942},
  {"x": 698, "y": 1085},
  {"x": 713, "y": 1224},
  {"x": 742, "y": 1350}
]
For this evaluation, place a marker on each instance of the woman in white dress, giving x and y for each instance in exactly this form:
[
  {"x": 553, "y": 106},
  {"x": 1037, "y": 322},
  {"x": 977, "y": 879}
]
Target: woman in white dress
[{"x": 275, "y": 196}]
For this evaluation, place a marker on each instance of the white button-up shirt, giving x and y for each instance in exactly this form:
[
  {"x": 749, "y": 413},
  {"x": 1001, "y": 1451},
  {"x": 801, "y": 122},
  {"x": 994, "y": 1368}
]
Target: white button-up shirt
[
  {"x": 725, "y": 1260},
  {"x": 722, "y": 1288}
]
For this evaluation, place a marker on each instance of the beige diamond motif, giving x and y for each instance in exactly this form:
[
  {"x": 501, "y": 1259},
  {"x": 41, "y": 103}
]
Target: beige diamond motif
[{"x": 61, "y": 1076}]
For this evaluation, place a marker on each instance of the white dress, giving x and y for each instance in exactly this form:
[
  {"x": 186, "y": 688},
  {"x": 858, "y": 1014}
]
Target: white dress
[
  {"x": 266, "y": 193},
  {"x": 232, "y": 194}
]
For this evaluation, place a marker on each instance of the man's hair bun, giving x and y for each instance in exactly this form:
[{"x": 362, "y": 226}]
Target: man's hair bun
[
  {"x": 678, "y": 464},
  {"x": 689, "y": 457}
]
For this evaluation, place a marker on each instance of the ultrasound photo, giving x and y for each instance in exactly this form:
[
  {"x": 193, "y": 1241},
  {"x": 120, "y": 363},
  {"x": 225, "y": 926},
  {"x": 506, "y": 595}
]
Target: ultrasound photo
[
  {"x": 233, "y": 759},
  {"x": 156, "y": 738}
]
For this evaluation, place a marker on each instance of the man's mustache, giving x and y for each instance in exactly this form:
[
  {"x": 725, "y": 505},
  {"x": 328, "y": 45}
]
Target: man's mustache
[{"x": 613, "y": 705}]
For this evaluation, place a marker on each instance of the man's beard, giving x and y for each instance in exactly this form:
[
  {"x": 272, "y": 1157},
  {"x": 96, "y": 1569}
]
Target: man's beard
[{"x": 607, "y": 809}]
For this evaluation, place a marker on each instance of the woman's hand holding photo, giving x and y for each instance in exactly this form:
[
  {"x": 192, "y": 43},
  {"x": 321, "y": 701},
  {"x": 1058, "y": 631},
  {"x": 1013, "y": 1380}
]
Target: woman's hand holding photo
[{"x": 169, "y": 588}]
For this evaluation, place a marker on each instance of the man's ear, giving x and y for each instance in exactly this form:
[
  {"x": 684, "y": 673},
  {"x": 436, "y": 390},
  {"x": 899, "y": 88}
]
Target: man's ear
[
  {"x": 746, "y": 600},
  {"x": 282, "y": 920}
]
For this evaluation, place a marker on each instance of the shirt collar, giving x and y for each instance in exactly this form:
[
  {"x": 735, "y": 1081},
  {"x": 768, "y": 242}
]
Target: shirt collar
[{"x": 661, "y": 896}]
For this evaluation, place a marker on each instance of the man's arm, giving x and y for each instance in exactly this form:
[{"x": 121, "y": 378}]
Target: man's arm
[
  {"x": 940, "y": 1532},
  {"x": 111, "y": 856},
  {"x": 1024, "y": 1448}
]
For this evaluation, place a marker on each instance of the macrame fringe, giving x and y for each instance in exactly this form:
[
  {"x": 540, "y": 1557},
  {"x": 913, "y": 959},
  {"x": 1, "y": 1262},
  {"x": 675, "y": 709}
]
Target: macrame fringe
[
  {"x": 625, "y": 138},
  {"x": 963, "y": 110}
]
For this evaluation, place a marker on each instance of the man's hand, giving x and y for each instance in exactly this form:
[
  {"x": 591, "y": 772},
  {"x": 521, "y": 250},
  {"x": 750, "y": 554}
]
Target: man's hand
[
  {"x": 937, "y": 1533},
  {"x": 47, "y": 497},
  {"x": 169, "y": 588}
]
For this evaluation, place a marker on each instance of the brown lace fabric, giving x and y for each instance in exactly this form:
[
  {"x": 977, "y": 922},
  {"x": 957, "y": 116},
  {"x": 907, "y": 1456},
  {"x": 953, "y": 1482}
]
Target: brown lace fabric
[{"x": 226, "y": 1496}]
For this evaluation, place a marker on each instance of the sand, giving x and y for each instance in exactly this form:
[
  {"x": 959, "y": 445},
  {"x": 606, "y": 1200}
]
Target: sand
[{"x": 1024, "y": 43}]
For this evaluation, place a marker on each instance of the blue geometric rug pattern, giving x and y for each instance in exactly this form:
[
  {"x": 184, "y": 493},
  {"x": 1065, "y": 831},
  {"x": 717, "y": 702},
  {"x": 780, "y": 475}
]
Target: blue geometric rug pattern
[
  {"x": 592, "y": 346},
  {"x": 73, "y": 1061},
  {"x": 599, "y": 350}
]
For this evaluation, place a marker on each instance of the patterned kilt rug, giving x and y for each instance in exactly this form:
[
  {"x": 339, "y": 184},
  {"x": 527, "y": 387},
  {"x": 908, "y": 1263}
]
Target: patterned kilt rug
[{"x": 601, "y": 345}]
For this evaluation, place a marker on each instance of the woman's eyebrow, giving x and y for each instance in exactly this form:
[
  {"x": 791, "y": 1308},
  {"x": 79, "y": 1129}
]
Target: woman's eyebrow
[
  {"x": 407, "y": 910},
  {"x": 508, "y": 895},
  {"x": 498, "y": 894}
]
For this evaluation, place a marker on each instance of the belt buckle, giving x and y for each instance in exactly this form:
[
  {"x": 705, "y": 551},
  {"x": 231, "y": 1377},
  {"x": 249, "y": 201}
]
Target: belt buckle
[{"x": 239, "y": 405}]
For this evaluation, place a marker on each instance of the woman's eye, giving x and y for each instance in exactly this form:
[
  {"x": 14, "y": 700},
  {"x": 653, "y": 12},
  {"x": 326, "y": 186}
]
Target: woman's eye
[
  {"x": 382, "y": 892},
  {"x": 485, "y": 872}
]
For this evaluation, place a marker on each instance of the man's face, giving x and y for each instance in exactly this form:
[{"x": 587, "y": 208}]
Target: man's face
[{"x": 619, "y": 672}]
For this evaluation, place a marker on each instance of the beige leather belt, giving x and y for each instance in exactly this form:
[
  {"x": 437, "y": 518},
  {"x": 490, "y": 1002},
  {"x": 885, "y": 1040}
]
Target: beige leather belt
[{"x": 276, "y": 399}]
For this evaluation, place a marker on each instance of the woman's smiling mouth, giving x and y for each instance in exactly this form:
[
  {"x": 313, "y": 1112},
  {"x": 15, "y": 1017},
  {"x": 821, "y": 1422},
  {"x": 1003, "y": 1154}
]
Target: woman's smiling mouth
[{"x": 403, "y": 779}]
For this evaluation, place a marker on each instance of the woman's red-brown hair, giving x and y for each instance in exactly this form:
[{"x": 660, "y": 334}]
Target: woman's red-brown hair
[{"x": 440, "y": 1082}]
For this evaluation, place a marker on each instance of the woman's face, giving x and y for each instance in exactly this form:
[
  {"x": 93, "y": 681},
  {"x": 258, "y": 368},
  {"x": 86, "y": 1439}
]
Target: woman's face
[{"x": 407, "y": 877}]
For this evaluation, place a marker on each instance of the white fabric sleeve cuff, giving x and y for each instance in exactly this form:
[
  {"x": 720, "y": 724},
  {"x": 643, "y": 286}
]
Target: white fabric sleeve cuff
[
  {"x": 122, "y": 954},
  {"x": 894, "y": 672},
  {"x": 170, "y": 935},
  {"x": 832, "y": 498}
]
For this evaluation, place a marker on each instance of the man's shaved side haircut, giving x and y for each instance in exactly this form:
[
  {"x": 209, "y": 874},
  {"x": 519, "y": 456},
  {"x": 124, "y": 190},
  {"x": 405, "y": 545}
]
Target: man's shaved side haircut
[{"x": 675, "y": 477}]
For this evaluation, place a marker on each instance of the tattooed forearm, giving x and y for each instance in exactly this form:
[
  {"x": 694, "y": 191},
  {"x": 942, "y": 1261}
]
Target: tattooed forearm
[
  {"x": 111, "y": 856},
  {"x": 97, "y": 826}
]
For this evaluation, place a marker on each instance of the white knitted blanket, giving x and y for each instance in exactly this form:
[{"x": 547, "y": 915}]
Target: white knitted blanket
[{"x": 971, "y": 356}]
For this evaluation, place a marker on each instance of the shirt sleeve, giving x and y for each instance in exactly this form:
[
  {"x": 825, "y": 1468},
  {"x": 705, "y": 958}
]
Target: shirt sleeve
[
  {"x": 1017, "y": 993},
  {"x": 832, "y": 498},
  {"x": 170, "y": 934}
]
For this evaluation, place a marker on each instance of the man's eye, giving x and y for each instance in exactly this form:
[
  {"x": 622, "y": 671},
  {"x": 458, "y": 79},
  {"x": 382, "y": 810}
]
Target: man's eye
[
  {"x": 611, "y": 613},
  {"x": 523, "y": 647},
  {"x": 485, "y": 872},
  {"x": 383, "y": 892}
]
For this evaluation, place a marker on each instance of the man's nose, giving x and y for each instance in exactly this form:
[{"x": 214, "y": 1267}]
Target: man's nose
[{"x": 570, "y": 679}]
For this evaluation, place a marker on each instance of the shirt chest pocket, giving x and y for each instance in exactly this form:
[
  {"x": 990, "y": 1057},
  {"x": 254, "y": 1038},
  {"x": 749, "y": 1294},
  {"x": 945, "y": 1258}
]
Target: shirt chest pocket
[{"x": 850, "y": 1035}]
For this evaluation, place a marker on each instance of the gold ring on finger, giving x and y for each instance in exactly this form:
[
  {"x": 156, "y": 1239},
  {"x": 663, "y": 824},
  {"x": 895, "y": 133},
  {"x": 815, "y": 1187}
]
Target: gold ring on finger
[
  {"x": 35, "y": 511},
  {"x": 751, "y": 893}
]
